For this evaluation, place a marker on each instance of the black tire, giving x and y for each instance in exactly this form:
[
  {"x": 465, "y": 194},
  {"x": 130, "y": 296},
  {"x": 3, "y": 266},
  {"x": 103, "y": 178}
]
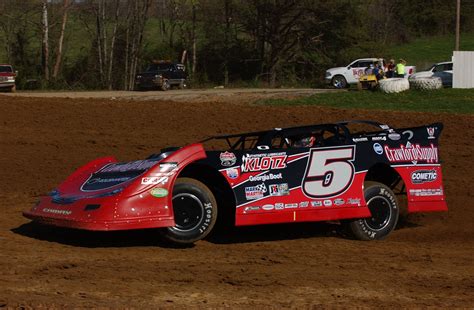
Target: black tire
[
  {"x": 383, "y": 206},
  {"x": 195, "y": 212},
  {"x": 339, "y": 81},
  {"x": 165, "y": 85}
]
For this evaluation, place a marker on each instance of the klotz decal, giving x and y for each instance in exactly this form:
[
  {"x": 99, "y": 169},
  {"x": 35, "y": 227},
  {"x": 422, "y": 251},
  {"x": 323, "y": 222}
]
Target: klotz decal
[
  {"x": 159, "y": 192},
  {"x": 262, "y": 162},
  {"x": 227, "y": 159},
  {"x": 378, "y": 149}
]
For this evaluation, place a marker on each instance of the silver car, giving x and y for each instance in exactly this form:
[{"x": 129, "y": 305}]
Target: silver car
[{"x": 443, "y": 70}]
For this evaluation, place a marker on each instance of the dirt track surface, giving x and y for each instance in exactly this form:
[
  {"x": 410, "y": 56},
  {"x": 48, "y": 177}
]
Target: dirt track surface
[{"x": 426, "y": 262}]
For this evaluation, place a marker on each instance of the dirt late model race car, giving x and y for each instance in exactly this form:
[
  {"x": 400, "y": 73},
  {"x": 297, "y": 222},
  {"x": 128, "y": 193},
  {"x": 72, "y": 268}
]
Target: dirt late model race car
[{"x": 301, "y": 174}]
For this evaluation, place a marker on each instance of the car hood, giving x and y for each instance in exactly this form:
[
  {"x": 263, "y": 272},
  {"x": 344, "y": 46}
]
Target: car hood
[{"x": 336, "y": 69}]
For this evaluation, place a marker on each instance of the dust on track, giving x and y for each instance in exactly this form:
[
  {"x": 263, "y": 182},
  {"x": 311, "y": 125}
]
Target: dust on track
[{"x": 426, "y": 262}]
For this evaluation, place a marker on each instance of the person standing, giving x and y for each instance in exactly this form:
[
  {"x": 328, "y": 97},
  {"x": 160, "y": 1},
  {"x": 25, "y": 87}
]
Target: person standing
[
  {"x": 400, "y": 68},
  {"x": 390, "y": 69}
]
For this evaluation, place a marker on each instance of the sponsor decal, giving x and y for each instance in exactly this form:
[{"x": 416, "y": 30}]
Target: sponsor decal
[
  {"x": 268, "y": 207},
  {"x": 108, "y": 180},
  {"x": 379, "y": 138},
  {"x": 378, "y": 148},
  {"x": 227, "y": 159},
  {"x": 266, "y": 177},
  {"x": 154, "y": 180},
  {"x": 279, "y": 189},
  {"x": 316, "y": 203},
  {"x": 431, "y": 132},
  {"x": 412, "y": 152},
  {"x": 57, "y": 211},
  {"x": 339, "y": 202},
  {"x": 262, "y": 162},
  {"x": 384, "y": 127},
  {"x": 232, "y": 173},
  {"x": 124, "y": 167},
  {"x": 304, "y": 204},
  {"x": 255, "y": 192},
  {"x": 163, "y": 174},
  {"x": 159, "y": 192},
  {"x": 427, "y": 192},
  {"x": 168, "y": 166},
  {"x": 394, "y": 136},
  {"x": 327, "y": 203},
  {"x": 353, "y": 201},
  {"x": 252, "y": 208},
  {"x": 279, "y": 206},
  {"x": 423, "y": 176},
  {"x": 361, "y": 139},
  {"x": 291, "y": 205}
]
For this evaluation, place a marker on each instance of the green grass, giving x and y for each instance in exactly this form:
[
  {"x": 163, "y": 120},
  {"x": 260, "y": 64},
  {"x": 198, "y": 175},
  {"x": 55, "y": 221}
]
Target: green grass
[
  {"x": 424, "y": 52},
  {"x": 443, "y": 100}
]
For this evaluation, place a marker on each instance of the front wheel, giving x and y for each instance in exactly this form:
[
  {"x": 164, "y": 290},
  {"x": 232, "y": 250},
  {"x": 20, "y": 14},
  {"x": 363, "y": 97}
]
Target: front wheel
[
  {"x": 165, "y": 85},
  {"x": 384, "y": 209},
  {"x": 339, "y": 81},
  {"x": 195, "y": 212}
]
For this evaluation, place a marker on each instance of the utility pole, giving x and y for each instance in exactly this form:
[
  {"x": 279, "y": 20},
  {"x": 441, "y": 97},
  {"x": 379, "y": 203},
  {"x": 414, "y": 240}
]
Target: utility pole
[{"x": 458, "y": 22}]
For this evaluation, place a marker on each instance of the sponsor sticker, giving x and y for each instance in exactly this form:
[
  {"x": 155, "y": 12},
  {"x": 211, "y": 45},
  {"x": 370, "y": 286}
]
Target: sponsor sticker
[
  {"x": 57, "y": 211},
  {"x": 159, "y": 192},
  {"x": 124, "y": 167},
  {"x": 353, "y": 201},
  {"x": 268, "y": 207},
  {"x": 304, "y": 204},
  {"x": 291, "y": 205},
  {"x": 379, "y": 138},
  {"x": 394, "y": 136},
  {"x": 154, "y": 180},
  {"x": 412, "y": 152},
  {"x": 251, "y": 208},
  {"x": 378, "y": 148},
  {"x": 232, "y": 173},
  {"x": 255, "y": 192},
  {"x": 279, "y": 189},
  {"x": 227, "y": 159},
  {"x": 316, "y": 203},
  {"x": 168, "y": 166},
  {"x": 327, "y": 203},
  {"x": 262, "y": 162},
  {"x": 265, "y": 177},
  {"x": 426, "y": 192},
  {"x": 361, "y": 139},
  {"x": 431, "y": 132},
  {"x": 423, "y": 176},
  {"x": 279, "y": 206},
  {"x": 339, "y": 202}
]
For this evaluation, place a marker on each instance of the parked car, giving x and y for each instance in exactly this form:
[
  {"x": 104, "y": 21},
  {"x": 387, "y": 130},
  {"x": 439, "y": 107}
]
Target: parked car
[
  {"x": 443, "y": 70},
  {"x": 342, "y": 77},
  {"x": 7, "y": 78},
  {"x": 162, "y": 75}
]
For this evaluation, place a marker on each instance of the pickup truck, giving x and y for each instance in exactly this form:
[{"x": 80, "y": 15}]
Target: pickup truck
[
  {"x": 161, "y": 75},
  {"x": 342, "y": 77},
  {"x": 7, "y": 78}
]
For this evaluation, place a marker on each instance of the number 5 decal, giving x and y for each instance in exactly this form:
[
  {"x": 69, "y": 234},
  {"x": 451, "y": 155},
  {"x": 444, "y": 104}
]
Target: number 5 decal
[{"x": 329, "y": 172}]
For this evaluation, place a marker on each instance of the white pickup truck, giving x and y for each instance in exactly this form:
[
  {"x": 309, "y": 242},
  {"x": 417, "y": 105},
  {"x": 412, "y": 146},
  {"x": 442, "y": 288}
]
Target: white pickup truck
[{"x": 342, "y": 77}]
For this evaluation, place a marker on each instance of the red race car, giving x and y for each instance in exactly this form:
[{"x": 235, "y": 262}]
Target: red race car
[{"x": 300, "y": 174}]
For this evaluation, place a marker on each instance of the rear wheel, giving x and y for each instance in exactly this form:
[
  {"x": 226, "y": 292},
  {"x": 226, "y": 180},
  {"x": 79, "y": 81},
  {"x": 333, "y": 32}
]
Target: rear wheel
[
  {"x": 384, "y": 209},
  {"x": 195, "y": 212}
]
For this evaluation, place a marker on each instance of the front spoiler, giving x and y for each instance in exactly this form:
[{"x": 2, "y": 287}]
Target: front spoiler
[{"x": 101, "y": 225}]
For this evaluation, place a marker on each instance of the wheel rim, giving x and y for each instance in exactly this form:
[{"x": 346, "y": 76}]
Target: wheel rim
[
  {"x": 188, "y": 211},
  {"x": 381, "y": 211},
  {"x": 338, "y": 82}
]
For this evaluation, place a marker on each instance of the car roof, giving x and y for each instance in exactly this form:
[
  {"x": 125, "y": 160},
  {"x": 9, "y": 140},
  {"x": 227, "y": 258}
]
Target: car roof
[{"x": 443, "y": 63}]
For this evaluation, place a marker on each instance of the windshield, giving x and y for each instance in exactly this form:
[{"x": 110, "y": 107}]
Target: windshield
[
  {"x": 6, "y": 69},
  {"x": 158, "y": 67}
]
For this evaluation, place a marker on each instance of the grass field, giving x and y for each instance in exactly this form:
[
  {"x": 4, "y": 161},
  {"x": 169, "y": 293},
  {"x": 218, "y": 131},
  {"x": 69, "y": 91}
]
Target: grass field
[
  {"x": 424, "y": 52},
  {"x": 444, "y": 100}
]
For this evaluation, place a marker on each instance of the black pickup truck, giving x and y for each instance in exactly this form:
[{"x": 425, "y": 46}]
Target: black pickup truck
[{"x": 162, "y": 75}]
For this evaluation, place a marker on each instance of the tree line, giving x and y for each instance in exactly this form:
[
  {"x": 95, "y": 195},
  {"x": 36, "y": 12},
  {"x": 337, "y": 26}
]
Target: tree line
[{"x": 102, "y": 44}]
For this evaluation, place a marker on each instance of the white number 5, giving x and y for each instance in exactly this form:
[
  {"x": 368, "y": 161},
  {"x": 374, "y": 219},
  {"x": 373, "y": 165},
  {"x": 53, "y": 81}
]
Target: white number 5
[{"x": 329, "y": 172}]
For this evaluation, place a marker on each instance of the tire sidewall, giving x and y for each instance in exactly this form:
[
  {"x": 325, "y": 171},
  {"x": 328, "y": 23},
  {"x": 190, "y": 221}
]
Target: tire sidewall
[
  {"x": 205, "y": 225},
  {"x": 342, "y": 79},
  {"x": 361, "y": 229}
]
